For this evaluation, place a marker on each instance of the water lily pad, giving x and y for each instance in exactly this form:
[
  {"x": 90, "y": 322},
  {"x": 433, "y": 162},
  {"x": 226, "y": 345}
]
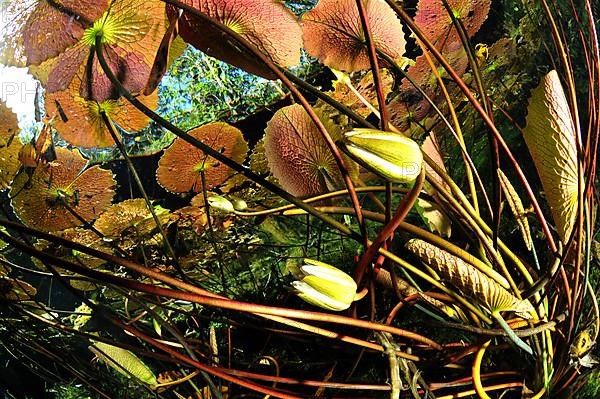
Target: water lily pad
[
  {"x": 43, "y": 201},
  {"x": 333, "y": 33},
  {"x": 180, "y": 166},
  {"x": 267, "y": 24},
  {"x": 80, "y": 121},
  {"x": 298, "y": 155}
]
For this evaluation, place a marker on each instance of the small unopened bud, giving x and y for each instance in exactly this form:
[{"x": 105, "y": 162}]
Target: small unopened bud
[
  {"x": 390, "y": 155},
  {"x": 239, "y": 204},
  {"x": 325, "y": 286}
]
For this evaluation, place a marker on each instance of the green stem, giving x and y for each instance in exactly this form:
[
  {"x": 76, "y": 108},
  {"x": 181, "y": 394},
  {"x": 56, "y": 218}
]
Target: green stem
[{"x": 511, "y": 334}]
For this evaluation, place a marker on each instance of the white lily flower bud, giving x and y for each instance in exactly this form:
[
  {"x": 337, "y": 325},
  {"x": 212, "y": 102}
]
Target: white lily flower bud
[
  {"x": 390, "y": 155},
  {"x": 325, "y": 286}
]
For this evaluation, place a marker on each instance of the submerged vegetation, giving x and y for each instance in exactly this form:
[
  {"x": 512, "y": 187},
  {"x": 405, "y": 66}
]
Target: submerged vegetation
[{"x": 333, "y": 198}]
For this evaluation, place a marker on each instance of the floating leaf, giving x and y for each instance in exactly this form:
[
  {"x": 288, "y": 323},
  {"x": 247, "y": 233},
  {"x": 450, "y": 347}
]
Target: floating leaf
[
  {"x": 435, "y": 22},
  {"x": 131, "y": 32},
  {"x": 15, "y": 290},
  {"x": 9, "y": 125},
  {"x": 10, "y": 145},
  {"x": 298, "y": 155},
  {"x": 180, "y": 166},
  {"x": 333, "y": 33},
  {"x": 26, "y": 38},
  {"x": 125, "y": 362},
  {"x": 550, "y": 137},
  {"x": 469, "y": 280},
  {"x": 516, "y": 207},
  {"x": 163, "y": 55},
  {"x": 267, "y": 24},
  {"x": 80, "y": 121},
  {"x": 131, "y": 221},
  {"x": 44, "y": 199},
  {"x": 354, "y": 96}
]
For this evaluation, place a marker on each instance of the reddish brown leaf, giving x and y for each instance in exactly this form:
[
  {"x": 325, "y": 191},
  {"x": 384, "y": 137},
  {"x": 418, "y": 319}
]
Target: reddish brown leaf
[
  {"x": 159, "y": 68},
  {"x": 180, "y": 166},
  {"x": 27, "y": 37},
  {"x": 267, "y": 24},
  {"x": 80, "y": 122},
  {"x": 9, "y": 146},
  {"x": 433, "y": 19},
  {"x": 298, "y": 155},
  {"x": 333, "y": 33},
  {"x": 66, "y": 20},
  {"x": 43, "y": 200}
]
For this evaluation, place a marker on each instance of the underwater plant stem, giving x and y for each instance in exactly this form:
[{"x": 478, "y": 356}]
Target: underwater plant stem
[
  {"x": 335, "y": 335},
  {"x": 493, "y": 142},
  {"x": 332, "y": 194},
  {"x": 193, "y": 294},
  {"x": 335, "y": 152},
  {"x": 387, "y": 341},
  {"x": 457, "y": 128},
  {"x": 211, "y": 230},
  {"x": 415, "y": 270},
  {"x": 446, "y": 122},
  {"x": 403, "y": 208},
  {"x": 364, "y": 20},
  {"x": 483, "y": 238},
  {"x": 476, "y": 372},
  {"x": 345, "y": 110},
  {"x": 422, "y": 234},
  {"x": 217, "y": 155},
  {"x": 510, "y": 333},
  {"x": 526, "y": 332},
  {"x": 136, "y": 177},
  {"x": 480, "y": 110},
  {"x": 203, "y": 367}
]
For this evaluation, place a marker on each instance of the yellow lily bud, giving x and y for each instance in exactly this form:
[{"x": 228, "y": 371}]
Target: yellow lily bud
[
  {"x": 325, "y": 286},
  {"x": 390, "y": 155}
]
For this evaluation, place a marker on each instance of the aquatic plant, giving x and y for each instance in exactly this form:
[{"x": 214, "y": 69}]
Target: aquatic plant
[{"x": 467, "y": 224}]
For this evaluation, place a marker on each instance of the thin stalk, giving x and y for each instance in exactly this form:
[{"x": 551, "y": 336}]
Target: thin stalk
[
  {"x": 476, "y": 372},
  {"x": 364, "y": 20},
  {"x": 447, "y": 123},
  {"x": 204, "y": 298},
  {"x": 403, "y": 208},
  {"x": 511, "y": 334},
  {"x": 136, "y": 177},
  {"x": 457, "y": 128}
]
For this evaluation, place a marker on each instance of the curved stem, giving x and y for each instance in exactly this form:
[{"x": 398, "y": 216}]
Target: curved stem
[
  {"x": 403, "y": 208},
  {"x": 203, "y": 298},
  {"x": 136, "y": 177},
  {"x": 476, "y": 372}
]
